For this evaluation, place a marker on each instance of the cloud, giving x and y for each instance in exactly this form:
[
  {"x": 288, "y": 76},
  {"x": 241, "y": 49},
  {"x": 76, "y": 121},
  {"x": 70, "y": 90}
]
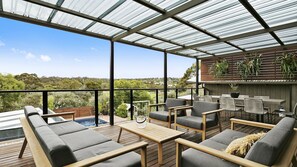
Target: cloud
[
  {"x": 18, "y": 51},
  {"x": 2, "y": 43},
  {"x": 30, "y": 56},
  {"x": 93, "y": 49},
  {"x": 45, "y": 58},
  {"x": 77, "y": 60}
]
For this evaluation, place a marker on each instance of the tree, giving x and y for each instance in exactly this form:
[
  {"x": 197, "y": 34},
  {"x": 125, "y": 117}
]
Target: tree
[
  {"x": 190, "y": 72},
  {"x": 125, "y": 95},
  {"x": 9, "y": 101},
  {"x": 32, "y": 82},
  {"x": 91, "y": 84},
  {"x": 121, "y": 111},
  {"x": 69, "y": 84}
]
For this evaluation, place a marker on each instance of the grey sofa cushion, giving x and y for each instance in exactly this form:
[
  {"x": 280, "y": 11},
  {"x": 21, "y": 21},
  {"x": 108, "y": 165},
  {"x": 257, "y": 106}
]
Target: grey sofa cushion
[
  {"x": 192, "y": 157},
  {"x": 201, "y": 106},
  {"x": 130, "y": 159},
  {"x": 58, "y": 153},
  {"x": 272, "y": 143},
  {"x": 286, "y": 124},
  {"x": 36, "y": 121},
  {"x": 66, "y": 127},
  {"x": 161, "y": 115},
  {"x": 195, "y": 122},
  {"x": 227, "y": 136},
  {"x": 82, "y": 139},
  {"x": 30, "y": 110},
  {"x": 171, "y": 102}
]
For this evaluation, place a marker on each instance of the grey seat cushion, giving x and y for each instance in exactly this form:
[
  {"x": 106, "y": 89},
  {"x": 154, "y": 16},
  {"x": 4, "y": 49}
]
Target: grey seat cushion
[
  {"x": 62, "y": 128},
  {"x": 272, "y": 143},
  {"x": 82, "y": 139},
  {"x": 201, "y": 106},
  {"x": 195, "y": 122},
  {"x": 192, "y": 157},
  {"x": 161, "y": 115},
  {"x": 30, "y": 110},
  {"x": 227, "y": 136},
  {"x": 58, "y": 153},
  {"x": 171, "y": 102},
  {"x": 130, "y": 159},
  {"x": 36, "y": 121}
]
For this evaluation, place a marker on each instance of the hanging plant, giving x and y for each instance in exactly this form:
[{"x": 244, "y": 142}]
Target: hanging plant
[
  {"x": 219, "y": 68},
  {"x": 288, "y": 64},
  {"x": 249, "y": 66}
]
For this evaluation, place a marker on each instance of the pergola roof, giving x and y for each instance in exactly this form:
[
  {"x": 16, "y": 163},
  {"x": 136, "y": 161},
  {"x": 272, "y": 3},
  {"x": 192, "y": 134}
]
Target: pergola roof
[{"x": 192, "y": 28}]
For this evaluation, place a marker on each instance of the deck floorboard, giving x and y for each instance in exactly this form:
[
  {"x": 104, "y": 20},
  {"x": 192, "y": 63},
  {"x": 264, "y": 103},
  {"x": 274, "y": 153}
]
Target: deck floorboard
[{"x": 9, "y": 150}]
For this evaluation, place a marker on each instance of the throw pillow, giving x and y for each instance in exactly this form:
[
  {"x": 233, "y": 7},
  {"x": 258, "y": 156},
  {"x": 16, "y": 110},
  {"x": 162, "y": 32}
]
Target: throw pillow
[{"x": 241, "y": 146}]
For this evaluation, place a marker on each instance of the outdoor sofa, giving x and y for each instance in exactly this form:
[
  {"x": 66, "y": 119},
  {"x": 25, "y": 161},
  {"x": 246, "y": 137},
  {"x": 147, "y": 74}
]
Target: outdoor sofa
[
  {"x": 71, "y": 144},
  {"x": 276, "y": 148}
]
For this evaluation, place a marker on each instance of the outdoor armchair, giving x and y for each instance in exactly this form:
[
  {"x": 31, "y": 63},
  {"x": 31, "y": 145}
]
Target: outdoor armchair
[
  {"x": 167, "y": 115},
  {"x": 204, "y": 116}
]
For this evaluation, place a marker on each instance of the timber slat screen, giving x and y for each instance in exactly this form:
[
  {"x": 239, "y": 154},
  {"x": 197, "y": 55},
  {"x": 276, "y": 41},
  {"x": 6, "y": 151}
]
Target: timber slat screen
[{"x": 269, "y": 70}]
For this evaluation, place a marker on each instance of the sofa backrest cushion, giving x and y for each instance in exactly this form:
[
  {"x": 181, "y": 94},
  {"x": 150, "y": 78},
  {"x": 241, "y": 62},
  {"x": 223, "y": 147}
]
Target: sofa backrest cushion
[
  {"x": 30, "y": 110},
  {"x": 36, "y": 121},
  {"x": 171, "y": 102},
  {"x": 201, "y": 106},
  {"x": 267, "y": 150},
  {"x": 58, "y": 153}
]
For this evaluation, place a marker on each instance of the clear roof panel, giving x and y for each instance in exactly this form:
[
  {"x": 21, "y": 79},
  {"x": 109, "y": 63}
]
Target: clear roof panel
[
  {"x": 71, "y": 20},
  {"x": 168, "y": 5},
  {"x": 134, "y": 37},
  {"x": 149, "y": 41},
  {"x": 131, "y": 14},
  {"x": 93, "y": 8},
  {"x": 188, "y": 51},
  {"x": 105, "y": 29},
  {"x": 222, "y": 18},
  {"x": 219, "y": 48},
  {"x": 288, "y": 36},
  {"x": 165, "y": 45},
  {"x": 256, "y": 42},
  {"x": 276, "y": 12},
  {"x": 177, "y": 32},
  {"x": 27, "y": 9}
]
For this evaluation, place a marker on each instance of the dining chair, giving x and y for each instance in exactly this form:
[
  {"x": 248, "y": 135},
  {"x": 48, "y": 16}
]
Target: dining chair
[
  {"x": 230, "y": 107},
  {"x": 255, "y": 106},
  {"x": 226, "y": 95},
  {"x": 207, "y": 98}
]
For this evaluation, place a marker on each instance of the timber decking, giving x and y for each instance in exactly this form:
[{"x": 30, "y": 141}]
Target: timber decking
[{"x": 9, "y": 150}]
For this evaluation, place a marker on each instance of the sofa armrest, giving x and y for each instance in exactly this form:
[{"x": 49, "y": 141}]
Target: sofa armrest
[
  {"x": 103, "y": 157},
  {"x": 250, "y": 123},
  {"x": 213, "y": 111},
  {"x": 59, "y": 114},
  {"x": 220, "y": 154}
]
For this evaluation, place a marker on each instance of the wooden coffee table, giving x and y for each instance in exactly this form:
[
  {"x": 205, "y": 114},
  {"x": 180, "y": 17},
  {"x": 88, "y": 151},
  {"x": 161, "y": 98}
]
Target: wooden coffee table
[{"x": 152, "y": 132}]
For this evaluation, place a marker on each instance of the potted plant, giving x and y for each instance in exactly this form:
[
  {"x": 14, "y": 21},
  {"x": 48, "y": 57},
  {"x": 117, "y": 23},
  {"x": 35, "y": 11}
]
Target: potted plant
[
  {"x": 288, "y": 65},
  {"x": 219, "y": 68},
  {"x": 249, "y": 66},
  {"x": 234, "y": 87}
]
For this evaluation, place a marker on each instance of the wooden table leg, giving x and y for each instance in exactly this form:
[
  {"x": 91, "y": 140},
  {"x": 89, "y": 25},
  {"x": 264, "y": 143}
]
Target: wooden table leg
[
  {"x": 160, "y": 154},
  {"x": 23, "y": 148},
  {"x": 120, "y": 135}
]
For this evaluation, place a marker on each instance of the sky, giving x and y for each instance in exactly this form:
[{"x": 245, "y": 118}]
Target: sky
[{"x": 47, "y": 52}]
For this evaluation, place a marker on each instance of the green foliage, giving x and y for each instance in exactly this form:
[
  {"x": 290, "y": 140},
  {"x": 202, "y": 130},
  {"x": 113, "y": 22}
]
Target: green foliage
[
  {"x": 104, "y": 103},
  {"x": 121, "y": 111},
  {"x": 124, "y": 96},
  {"x": 250, "y": 66},
  {"x": 64, "y": 100},
  {"x": 288, "y": 64},
  {"x": 9, "y": 101},
  {"x": 33, "y": 99},
  {"x": 91, "y": 84},
  {"x": 69, "y": 84},
  {"x": 32, "y": 82},
  {"x": 234, "y": 86},
  {"x": 219, "y": 68},
  {"x": 190, "y": 72}
]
